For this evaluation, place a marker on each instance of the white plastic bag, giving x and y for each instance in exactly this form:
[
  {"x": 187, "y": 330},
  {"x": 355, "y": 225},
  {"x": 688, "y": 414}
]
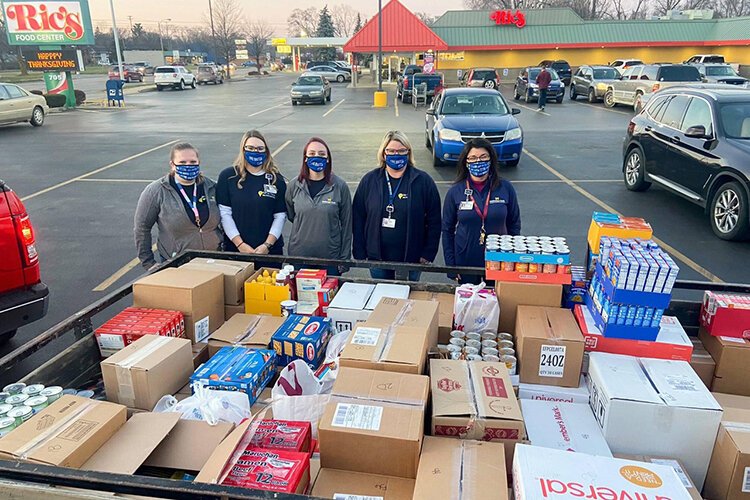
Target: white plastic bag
[
  {"x": 476, "y": 309},
  {"x": 209, "y": 405}
]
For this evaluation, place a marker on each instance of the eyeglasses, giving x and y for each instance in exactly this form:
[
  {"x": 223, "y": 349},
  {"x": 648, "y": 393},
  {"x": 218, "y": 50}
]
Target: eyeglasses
[
  {"x": 320, "y": 154},
  {"x": 403, "y": 151},
  {"x": 472, "y": 159},
  {"x": 253, "y": 149}
]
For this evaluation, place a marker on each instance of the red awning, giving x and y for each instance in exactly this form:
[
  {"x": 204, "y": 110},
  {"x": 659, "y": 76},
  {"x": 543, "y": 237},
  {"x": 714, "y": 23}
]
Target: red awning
[{"x": 402, "y": 32}]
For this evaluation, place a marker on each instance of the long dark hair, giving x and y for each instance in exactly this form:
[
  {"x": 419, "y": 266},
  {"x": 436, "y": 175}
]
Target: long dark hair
[
  {"x": 304, "y": 173},
  {"x": 463, "y": 172}
]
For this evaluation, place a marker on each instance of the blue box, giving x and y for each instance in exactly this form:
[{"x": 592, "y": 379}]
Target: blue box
[
  {"x": 237, "y": 369},
  {"x": 619, "y": 329},
  {"x": 527, "y": 257},
  {"x": 630, "y": 297},
  {"x": 302, "y": 337}
]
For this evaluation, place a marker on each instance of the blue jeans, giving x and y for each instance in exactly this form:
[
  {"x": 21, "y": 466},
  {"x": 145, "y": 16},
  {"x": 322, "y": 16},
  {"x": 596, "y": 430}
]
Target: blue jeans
[
  {"x": 542, "y": 98},
  {"x": 385, "y": 274}
]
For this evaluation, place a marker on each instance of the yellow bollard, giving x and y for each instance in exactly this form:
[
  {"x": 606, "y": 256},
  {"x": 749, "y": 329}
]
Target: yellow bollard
[{"x": 381, "y": 99}]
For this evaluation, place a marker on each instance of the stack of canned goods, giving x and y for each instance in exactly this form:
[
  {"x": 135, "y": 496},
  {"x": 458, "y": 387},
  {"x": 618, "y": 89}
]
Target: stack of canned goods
[
  {"x": 18, "y": 402},
  {"x": 528, "y": 245},
  {"x": 483, "y": 346}
]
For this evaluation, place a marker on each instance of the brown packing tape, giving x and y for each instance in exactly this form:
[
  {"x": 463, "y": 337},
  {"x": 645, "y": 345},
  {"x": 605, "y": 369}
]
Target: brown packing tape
[
  {"x": 249, "y": 331},
  {"x": 54, "y": 430},
  {"x": 405, "y": 309}
]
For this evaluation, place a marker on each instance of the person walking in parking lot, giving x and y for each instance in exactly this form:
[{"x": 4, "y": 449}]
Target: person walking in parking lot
[
  {"x": 543, "y": 79},
  {"x": 251, "y": 196},
  {"x": 182, "y": 205},
  {"x": 479, "y": 203},
  {"x": 396, "y": 210},
  {"x": 319, "y": 205}
]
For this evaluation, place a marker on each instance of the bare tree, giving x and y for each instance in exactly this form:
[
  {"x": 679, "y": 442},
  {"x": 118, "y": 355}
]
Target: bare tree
[
  {"x": 258, "y": 35},
  {"x": 732, "y": 8},
  {"x": 303, "y": 22},
  {"x": 661, "y": 7},
  {"x": 426, "y": 18},
  {"x": 228, "y": 16},
  {"x": 344, "y": 20}
]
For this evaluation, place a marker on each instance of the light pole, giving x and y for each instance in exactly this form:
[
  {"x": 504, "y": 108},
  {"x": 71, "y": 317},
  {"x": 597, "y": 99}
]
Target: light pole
[
  {"x": 213, "y": 31},
  {"x": 161, "y": 40},
  {"x": 116, "y": 36},
  {"x": 380, "y": 45}
]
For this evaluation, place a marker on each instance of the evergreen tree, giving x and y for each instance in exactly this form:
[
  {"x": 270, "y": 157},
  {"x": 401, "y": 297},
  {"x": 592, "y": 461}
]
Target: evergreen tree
[
  {"x": 358, "y": 25},
  {"x": 326, "y": 30}
]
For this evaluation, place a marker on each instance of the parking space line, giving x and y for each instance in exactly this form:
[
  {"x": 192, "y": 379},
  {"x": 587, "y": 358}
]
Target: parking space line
[
  {"x": 670, "y": 249},
  {"x": 281, "y": 148},
  {"x": 98, "y": 170},
  {"x": 395, "y": 105},
  {"x": 535, "y": 110},
  {"x": 333, "y": 108},
  {"x": 604, "y": 108},
  {"x": 136, "y": 181},
  {"x": 264, "y": 110}
]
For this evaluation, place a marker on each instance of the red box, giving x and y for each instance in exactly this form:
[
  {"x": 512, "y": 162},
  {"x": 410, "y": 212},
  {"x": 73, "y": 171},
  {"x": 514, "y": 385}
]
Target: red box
[
  {"x": 135, "y": 322},
  {"x": 516, "y": 277},
  {"x": 671, "y": 343},
  {"x": 328, "y": 291},
  {"x": 281, "y": 435},
  {"x": 726, "y": 314},
  {"x": 271, "y": 470}
]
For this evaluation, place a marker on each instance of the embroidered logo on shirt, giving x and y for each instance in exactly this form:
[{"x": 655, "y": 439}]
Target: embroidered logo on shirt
[
  {"x": 266, "y": 194},
  {"x": 498, "y": 200},
  {"x": 329, "y": 201},
  {"x": 202, "y": 199},
  {"x": 403, "y": 196}
]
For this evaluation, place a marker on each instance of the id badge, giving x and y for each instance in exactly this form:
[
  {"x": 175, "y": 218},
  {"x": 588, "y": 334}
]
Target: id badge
[
  {"x": 269, "y": 189},
  {"x": 389, "y": 223},
  {"x": 466, "y": 205}
]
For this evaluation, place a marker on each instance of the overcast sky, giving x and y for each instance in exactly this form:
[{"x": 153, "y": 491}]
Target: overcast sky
[{"x": 191, "y": 12}]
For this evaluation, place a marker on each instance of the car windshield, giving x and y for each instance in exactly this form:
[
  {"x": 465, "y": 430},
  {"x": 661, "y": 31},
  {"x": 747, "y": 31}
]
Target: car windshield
[
  {"x": 165, "y": 70},
  {"x": 605, "y": 74},
  {"x": 484, "y": 75},
  {"x": 561, "y": 66},
  {"x": 478, "y": 104},
  {"x": 534, "y": 72},
  {"x": 309, "y": 80},
  {"x": 679, "y": 74},
  {"x": 720, "y": 71},
  {"x": 735, "y": 119}
]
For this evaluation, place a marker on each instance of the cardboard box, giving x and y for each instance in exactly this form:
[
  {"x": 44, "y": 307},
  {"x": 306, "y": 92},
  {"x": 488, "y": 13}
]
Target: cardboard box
[
  {"x": 189, "y": 445},
  {"x": 648, "y": 406},
  {"x": 245, "y": 330},
  {"x": 668, "y": 462},
  {"x": 281, "y": 435},
  {"x": 302, "y": 337},
  {"x": 549, "y": 346},
  {"x": 270, "y": 470},
  {"x": 703, "y": 363},
  {"x": 461, "y": 469},
  {"x": 726, "y": 314},
  {"x": 348, "y": 306},
  {"x": 235, "y": 274},
  {"x": 374, "y": 422},
  {"x": 200, "y": 354},
  {"x": 308, "y": 282},
  {"x": 199, "y": 295},
  {"x": 386, "y": 290},
  {"x": 74, "y": 429},
  {"x": 390, "y": 348},
  {"x": 537, "y": 392},
  {"x": 544, "y": 473},
  {"x": 729, "y": 472},
  {"x": 149, "y": 368},
  {"x": 445, "y": 312},
  {"x": 237, "y": 369},
  {"x": 230, "y": 311},
  {"x": 512, "y": 295},
  {"x": 265, "y": 298},
  {"x": 563, "y": 426},
  {"x": 339, "y": 484},
  {"x": 415, "y": 316},
  {"x": 732, "y": 356}
]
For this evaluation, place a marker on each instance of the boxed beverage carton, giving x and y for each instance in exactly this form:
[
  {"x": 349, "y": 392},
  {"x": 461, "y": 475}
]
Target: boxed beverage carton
[
  {"x": 74, "y": 428},
  {"x": 549, "y": 346},
  {"x": 445, "y": 311},
  {"x": 302, "y": 337},
  {"x": 703, "y": 363},
  {"x": 188, "y": 445},
  {"x": 512, "y": 295},
  {"x": 340, "y": 484},
  {"x": 237, "y": 369},
  {"x": 726, "y": 314},
  {"x": 538, "y": 392},
  {"x": 133, "y": 323},
  {"x": 281, "y": 435},
  {"x": 309, "y": 281},
  {"x": 379, "y": 412},
  {"x": 198, "y": 294},
  {"x": 461, "y": 470},
  {"x": 731, "y": 356},
  {"x": 149, "y": 368},
  {"x": 230, "y": 311},
  {"x": 675, "y": 464},
  {"x": 235, "y": 274},
  {"x": 263, "y": 295},
  {"x": 544, "y": 473},
  {"x": 387, "y": 290},
  {"x": 348, "y": 306},
  {"x": 563, "y": 426},
  {"x": 246, "y": 330},
  {"x": 648, "y": 406},
  {"x": 326, "y": 293}
]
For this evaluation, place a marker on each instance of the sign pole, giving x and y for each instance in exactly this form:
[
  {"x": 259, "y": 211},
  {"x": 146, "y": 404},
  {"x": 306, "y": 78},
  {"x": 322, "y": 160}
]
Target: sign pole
[{"x": 116, "y": 36}]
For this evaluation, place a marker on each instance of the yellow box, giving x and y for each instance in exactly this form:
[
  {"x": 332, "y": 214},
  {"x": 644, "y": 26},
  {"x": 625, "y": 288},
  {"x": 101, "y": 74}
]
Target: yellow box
[
  {"x": 262, "y": 291},
  {"x": 597, "y": 230},
  {"x": 269, "y": 307}
]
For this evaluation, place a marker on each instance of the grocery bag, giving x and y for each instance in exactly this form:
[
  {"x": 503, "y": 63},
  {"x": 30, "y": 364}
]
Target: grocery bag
[
  {"x": 211, "y": 406},
  {"x": 476, "y": 308}
]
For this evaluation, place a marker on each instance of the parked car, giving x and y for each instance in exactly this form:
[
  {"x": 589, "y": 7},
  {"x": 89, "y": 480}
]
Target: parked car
[
  {"x": 561, "y": 67},
  {"x": 720, "y": 73},
  {"x": 461, "y": 114},
  {"x": 622, "y": 64},
  {"x": 331, "y": 73},
  {"x": 527, "y": 88},
  {"x": 405, "y": 86},
  {"x": 592, "y": 82},
  {"x": 481, "y": 77},
  {"x": 24, "y": 298},
  {"x": 177, "y": 77},
  {"x": 346, "y": 66},
  {"x": 129, "y": 73},
  {"x": 310, "y": 87},
  {"x": 20, "y": 105},
  {"x": 637, "y": 84},
  {"x": 695, "y": 142},
  {"x": 143, "y": 67},
  {"x": 209, "y": 74},
  {"x": 706, "y": 58}
]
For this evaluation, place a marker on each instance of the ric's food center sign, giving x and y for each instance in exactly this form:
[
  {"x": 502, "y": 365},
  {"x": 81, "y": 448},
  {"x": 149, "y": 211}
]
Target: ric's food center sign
[{"x": 48, "y": 23}]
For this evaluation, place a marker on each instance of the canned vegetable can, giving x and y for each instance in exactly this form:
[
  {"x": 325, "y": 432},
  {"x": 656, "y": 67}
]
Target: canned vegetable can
[
  {"x": 33, "y": 390},
  {"x": 52, "y": 393},
  {"x": 37, "y": 403},
  {"x": 14, "y": 388},
  {"x": 7, "y": 424},
  {"x": 16, "y": 399},
  {"x": 4, "y": 409},
  {"x": 20, "y": 414}
]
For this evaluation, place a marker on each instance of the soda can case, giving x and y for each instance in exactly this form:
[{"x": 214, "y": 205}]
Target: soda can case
[
  {"x": 302, "y": 337},
  {"x": 237, "y": 369}
]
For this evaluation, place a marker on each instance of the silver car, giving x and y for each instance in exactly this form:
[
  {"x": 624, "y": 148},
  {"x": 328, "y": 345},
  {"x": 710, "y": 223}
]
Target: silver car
[
  {"x": 330, "y": 73},
  {"x": 637, "y": 84},
  {"x": 20, "y": 105},
  {"x": 720, "y": 73},
  {"x": 592, "y": 82}
]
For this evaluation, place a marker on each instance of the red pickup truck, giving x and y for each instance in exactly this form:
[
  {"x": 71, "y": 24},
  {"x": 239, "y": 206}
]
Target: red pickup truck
[{"x": 23, "y": 296}]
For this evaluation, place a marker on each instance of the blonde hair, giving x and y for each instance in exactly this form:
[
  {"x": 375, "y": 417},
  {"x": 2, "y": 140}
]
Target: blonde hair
[
  {"x": 241, "y": 165},
  {"x": 398, "y": 136},
  {"x": 184, "y": 146}
]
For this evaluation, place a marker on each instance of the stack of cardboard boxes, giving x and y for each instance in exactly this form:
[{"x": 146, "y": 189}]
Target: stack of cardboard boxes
[{"x": 235, "y": 274}]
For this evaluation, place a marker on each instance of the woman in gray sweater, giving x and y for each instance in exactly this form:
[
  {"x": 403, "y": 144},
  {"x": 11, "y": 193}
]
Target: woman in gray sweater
[
  {"x": 319, "y": 205},
  {"x": 182, "y": 205}
]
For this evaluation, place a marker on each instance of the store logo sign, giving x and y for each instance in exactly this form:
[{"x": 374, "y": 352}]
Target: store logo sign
[
  {"x": 508, "y": 17},
  {"x": 44, "y": 22}
]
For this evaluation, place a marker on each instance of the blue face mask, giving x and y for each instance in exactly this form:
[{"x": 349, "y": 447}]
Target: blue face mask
[
  {"x": 188, "y": 172},
  {"x": 479, "y": 168},
  {"x": 316, "y": 163},
  {"x": 397, "y": 162},
  {"x": 255, "y": 159}
]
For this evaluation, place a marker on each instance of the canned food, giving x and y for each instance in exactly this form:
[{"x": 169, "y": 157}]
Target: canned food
[
  {"x": 489, "y": 343},
  {"x": 549, "y": 269},
  {"x": 20, "y": 414},
  {"x": 4, "y": 395},
  {"x": 16, "y": 399},
  {"x": 563, "y": 269},
  {"x": 52, "y": 393},
  {"x": 490, "y": 351},
  {"x": 510, "y": 362},
  {"x": 7, "y": 424},
  {"x": 454, "y": 348},
  {"x": 533, "y": 267},
  {"x": 473, "y": 336},
  {"x": 14, "y": 388},
  {"x": 474, "y": 357},
  {"x": 491, "y": 358},
  {"x": 493, "y": 247},
  {"x": 458, "y": 334},
  {"x": 474, "y": 343},
  {"x": 288, "y": 307},
  {"x": 522, "y": 267},
  {"x": 37, "y": 403},
  {"x": 33, "y": 390},
  {"x": 456, "y": 355},
  {"x": 489, "y": 335},
  {"x": 85, "y": 394},
  {"x": 509, "y": 266},
  {"x": 69, "y": 392},
  {"x": 493, "y": 265},
  {"x": 504, "y": 344},
  {"x": 4, "y": 409},
  {"x": 471, "y": 350},
  {"x": 507, "y": 351},
  {"x": 505, "y": 336},
  {"x": 457, "y": 342}
]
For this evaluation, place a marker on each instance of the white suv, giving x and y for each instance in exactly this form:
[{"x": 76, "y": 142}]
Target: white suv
[
  {"x": 622, "y": 64},
  {"x": 177, "y": 77}
]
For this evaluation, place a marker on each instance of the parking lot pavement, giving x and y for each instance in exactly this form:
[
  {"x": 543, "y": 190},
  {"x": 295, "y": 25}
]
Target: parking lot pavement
[{"x": 81, "y": 174}]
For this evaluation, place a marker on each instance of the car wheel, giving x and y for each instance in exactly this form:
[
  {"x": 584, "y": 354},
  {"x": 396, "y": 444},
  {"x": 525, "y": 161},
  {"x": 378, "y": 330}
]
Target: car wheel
[
  {"x": 127, "y": 79},
  {"x": 192, "y": 84},
  {"x": 340, "y": 78},
  {"x": 729, "y": 212},
  {"x": 638, "y": 103},
  {"x": 559, "y": 100},
  {"x": 294, "y": 103},
  {"x": 634, "y": 171},
  {"x": 5, "y": 337},
  {"x": 427, "y": 143},
  {"x": 37, "y": 117},
  {"x": 181, "y": 86},
  {"x": 609, "y": 99},
  {"x": 512, "y": 163},
  {"x": 159, "y": 88},
  {"x": 489, "y": 84},
  {"x": 592, "y": 96},
  {"x": 436, "y": 161},
  {"x": 573, "y": 93},
  {"x": 516, "y": 95}
]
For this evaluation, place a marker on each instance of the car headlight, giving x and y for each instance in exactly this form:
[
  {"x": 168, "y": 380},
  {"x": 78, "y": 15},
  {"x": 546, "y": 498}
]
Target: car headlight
[
  {"x": 447, "y": 134},
  {"x": 296, "y": 94},
  {"x": 533, "y": 85},
  {"x": 513, "y": 134},
  {"x": 601, "y": 86}
]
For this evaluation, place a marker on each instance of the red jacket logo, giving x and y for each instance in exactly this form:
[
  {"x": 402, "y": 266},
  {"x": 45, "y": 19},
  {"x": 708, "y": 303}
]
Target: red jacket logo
[
  {"x": 37, "y": 17},
  {"x": 448, "y": 385}
]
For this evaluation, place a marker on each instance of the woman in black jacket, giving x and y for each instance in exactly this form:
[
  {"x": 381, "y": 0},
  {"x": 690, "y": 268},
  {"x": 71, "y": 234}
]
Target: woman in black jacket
[{"x": 396, "y": 213}]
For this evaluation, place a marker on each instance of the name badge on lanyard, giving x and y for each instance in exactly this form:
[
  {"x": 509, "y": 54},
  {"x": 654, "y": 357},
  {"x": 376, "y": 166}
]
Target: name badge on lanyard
[
  {"x": 389, "y": 222},
  {"x": 466, "y": 205},
  {"x": 269, "y": 188}
]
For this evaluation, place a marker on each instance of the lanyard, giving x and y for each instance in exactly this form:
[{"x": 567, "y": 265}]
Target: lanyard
[
  {"x": 482, "y": 214},
  {"x": 194, "y": 203},
  {"x": 391, "y": 193}
]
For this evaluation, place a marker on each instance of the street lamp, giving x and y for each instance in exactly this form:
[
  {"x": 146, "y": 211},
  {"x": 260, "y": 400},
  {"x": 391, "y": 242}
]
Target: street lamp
[
  {"x": 116, "y": 36},
  {"x": 380, "y": 45},
  {"x": 161, "y": 39}
]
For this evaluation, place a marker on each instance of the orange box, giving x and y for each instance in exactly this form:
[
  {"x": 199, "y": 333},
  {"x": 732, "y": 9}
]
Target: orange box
[{"x": 516, "y": 277}]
